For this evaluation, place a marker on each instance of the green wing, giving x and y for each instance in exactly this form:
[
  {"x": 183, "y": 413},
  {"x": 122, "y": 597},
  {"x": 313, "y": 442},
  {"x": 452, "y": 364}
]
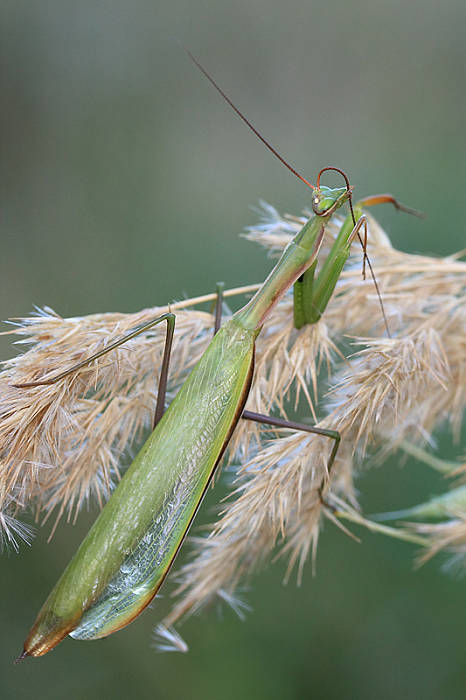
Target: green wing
[{"x": 127, "y": 553}]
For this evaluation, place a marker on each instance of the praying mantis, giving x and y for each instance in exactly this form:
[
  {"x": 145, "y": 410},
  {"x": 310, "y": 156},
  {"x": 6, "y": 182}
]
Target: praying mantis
[{"x": 124, "y": 559}]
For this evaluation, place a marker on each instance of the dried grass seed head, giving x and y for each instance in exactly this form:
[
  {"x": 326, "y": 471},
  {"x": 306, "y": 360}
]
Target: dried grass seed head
[{"x": 49, "y": 436}]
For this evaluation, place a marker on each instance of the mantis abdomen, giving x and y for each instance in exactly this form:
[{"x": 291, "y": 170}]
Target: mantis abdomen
[{"x": 127, "y": 553}]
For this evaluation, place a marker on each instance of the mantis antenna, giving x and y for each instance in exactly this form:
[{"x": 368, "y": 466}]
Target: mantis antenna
[
  {"x": 298, "y": 175},
  {"x": 246, "y": 121}
]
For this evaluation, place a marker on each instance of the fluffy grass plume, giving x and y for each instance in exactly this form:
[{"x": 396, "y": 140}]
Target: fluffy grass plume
[{"x": 61, "y": 444}]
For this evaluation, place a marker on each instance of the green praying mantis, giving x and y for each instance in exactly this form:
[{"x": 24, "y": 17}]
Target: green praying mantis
[{"x": 125, "y": 557}]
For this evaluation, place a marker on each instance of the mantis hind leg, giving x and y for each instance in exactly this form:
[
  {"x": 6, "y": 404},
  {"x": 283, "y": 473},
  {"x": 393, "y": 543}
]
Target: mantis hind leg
[
  {"x": 162, "y": 390},
  {"x": 218, "y": 306},
  {"x": 283, "y": 423}
]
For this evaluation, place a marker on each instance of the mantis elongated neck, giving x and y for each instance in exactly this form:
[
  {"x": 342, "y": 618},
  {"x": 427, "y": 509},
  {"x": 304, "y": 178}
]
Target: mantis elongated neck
[{"x": 297, "y": 257}]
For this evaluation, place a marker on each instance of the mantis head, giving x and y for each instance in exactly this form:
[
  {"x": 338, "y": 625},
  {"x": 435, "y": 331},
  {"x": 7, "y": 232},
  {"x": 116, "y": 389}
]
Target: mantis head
[{"x": 326, "y": 200}]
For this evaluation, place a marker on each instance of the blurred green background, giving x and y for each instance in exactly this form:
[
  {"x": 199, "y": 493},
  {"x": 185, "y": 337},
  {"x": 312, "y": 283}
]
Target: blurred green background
[{"x": 125, "y": 181}]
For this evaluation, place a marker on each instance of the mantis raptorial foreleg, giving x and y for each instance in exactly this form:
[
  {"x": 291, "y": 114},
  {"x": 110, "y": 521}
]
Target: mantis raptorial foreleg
[{"x": 312, "y": 292}]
